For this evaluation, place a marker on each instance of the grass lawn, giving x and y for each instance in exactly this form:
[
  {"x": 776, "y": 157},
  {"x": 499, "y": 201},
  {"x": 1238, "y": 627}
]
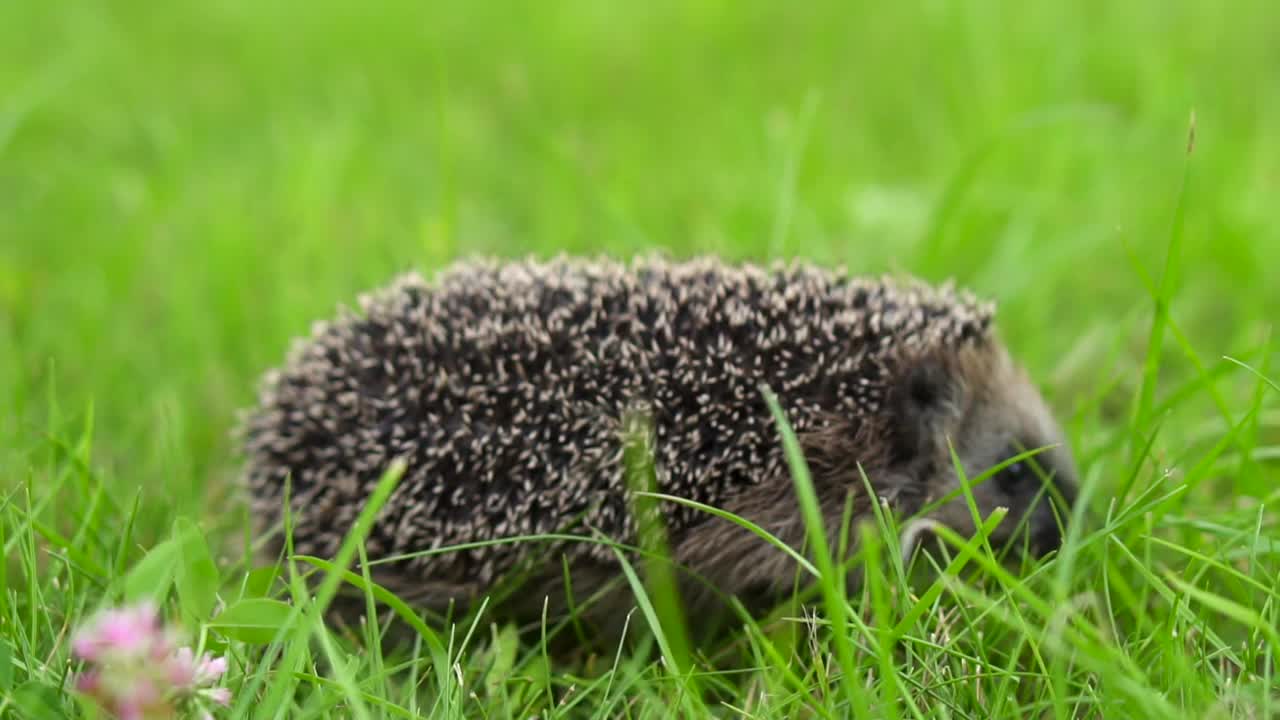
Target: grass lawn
[{"x": 185, "y": 186}]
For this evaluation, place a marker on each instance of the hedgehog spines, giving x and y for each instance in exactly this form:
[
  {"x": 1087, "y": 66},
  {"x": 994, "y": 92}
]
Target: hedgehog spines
[{"x": 503, "y": 385}]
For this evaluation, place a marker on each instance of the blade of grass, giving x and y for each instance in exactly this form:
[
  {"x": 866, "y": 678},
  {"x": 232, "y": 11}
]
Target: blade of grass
[
  {"x": 833, "y": 587},
  {"x": 642, "y": 479},
  {"x": 319, "y": 602},
  {"x": 1141, "y": 415}
]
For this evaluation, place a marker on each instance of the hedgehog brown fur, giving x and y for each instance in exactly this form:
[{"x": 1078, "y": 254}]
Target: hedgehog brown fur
[{"x": 504, "y": 387}]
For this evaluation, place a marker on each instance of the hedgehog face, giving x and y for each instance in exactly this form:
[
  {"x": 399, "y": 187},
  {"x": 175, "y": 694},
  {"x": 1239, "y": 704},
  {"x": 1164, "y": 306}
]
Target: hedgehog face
[{"x": 989, "y": 411}]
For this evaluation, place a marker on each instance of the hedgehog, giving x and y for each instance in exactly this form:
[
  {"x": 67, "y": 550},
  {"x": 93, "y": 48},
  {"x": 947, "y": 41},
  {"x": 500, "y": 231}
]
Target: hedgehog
[{"x": 505, "y": 388}]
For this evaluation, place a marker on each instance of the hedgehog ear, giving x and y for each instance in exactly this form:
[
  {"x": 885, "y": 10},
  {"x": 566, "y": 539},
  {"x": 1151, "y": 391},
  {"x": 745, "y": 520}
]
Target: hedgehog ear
[{"x": 927, "y": 400}]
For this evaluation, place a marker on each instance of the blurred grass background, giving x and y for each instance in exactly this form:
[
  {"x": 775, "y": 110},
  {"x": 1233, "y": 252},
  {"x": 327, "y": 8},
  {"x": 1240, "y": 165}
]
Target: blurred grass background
[{"x": 185, "y": 186}]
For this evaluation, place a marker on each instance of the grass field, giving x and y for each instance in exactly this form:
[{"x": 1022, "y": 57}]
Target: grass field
[{"x": 185, "y": 186}]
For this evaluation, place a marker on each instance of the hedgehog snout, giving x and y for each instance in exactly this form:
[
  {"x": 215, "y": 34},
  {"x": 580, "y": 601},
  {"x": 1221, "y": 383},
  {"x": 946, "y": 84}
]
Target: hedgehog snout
[{"x": 1037, "y": 491}]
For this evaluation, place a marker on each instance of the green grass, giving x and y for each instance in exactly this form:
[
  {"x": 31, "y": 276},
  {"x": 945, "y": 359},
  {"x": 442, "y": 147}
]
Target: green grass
[{"x": 184, "y": 187}]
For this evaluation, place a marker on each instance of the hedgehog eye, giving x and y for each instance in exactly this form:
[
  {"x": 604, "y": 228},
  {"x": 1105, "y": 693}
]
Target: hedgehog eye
[{"x": 1013, "y": 477}]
